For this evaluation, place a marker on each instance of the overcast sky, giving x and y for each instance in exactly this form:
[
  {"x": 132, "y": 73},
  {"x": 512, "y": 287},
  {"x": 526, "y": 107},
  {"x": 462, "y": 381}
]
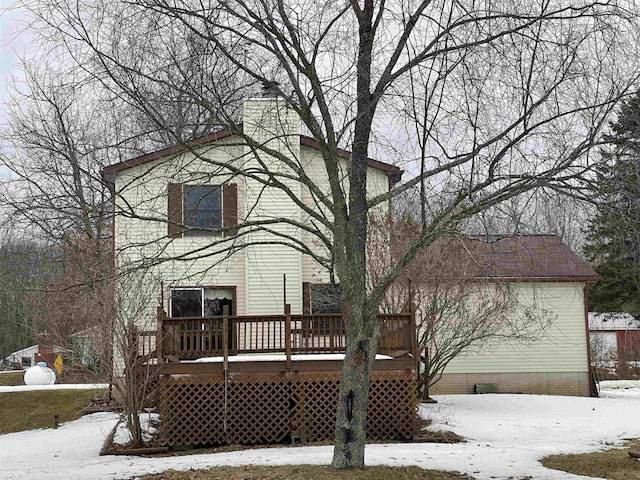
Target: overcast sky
[{"x": 13, "y": 41}]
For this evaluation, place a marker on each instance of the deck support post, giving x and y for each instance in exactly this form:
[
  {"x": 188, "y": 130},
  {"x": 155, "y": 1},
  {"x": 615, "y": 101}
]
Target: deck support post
[
  {"x": 287, "y": 334},
  {"x": 225, "y": 365},
  {"x": 225, "y": 337},
  {"x": 413, "y": 341}
]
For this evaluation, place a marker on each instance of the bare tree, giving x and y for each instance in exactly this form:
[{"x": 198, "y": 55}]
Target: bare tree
[
  {"x": 461, "y": 316},
  {"x": 64, "y": 126},
  {"x": 480, "y": 103},
  {"x": 53, "y": 151},
  {"x": 75, "y": 304},
  {"x": 134, "y": 371},
  {"x": 539, "y": 212}
]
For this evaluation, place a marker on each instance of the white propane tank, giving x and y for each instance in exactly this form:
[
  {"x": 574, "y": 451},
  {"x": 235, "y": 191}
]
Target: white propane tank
[{"x": 39, "y": 374}]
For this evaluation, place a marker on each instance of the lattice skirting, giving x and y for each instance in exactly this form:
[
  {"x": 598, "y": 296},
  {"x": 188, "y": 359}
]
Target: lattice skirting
[{"x": 267, "y": 408}]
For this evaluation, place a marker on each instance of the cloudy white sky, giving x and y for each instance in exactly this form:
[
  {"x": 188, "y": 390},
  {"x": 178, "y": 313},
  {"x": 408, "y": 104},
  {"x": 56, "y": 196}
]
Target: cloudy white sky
[{"x": 13, "y": 42}]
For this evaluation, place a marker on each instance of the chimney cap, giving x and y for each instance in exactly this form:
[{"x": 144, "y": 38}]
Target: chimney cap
[{"x": 270, "y": 89}]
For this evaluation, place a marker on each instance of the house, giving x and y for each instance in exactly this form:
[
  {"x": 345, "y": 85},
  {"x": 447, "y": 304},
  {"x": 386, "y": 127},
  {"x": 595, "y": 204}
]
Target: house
[
  {"x": 248, "y": 348},
  {"x": 25, "y": 357},
  {"x": 173, "y": 202},
  {"x": 615, "y": 343},
  {"x": 30, "y": 356},
  {"x": 540, "y": 272}
]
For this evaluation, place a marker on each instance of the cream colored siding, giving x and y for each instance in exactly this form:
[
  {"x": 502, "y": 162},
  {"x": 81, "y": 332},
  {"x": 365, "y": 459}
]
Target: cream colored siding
[
  {"x": 562, "y": 348},
  {"x": 315, "y": 169},
  {"x": 556, "y": 363},
  {"x": 377, "y": 184},
  {"x": 141, "y": 229},
  {"x": 270, "y": 122},
  {"x": 258, "y": 266}
]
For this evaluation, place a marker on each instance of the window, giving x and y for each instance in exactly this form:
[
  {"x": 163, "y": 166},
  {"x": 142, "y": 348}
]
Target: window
[
  {"x": 325, "y": 298},
  {"x": 200, "y": 302},
  {"x": 186, "y": 302},
  {"x": 199, "y": 210},
  {"x": 321, "y": 299},
  {"x": 202, "y": 206}
]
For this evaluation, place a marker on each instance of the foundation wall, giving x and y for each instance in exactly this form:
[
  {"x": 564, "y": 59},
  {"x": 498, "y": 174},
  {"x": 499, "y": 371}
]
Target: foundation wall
[{"x": 549, "y": 383}]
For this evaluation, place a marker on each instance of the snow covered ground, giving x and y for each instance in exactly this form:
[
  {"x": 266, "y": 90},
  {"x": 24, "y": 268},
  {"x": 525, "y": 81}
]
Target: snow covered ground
[
  {"x": 57, "y": 386},
  {"x": 507, "y": 435}
]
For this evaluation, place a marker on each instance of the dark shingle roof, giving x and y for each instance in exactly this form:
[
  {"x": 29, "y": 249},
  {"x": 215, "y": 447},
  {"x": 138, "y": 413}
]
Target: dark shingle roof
[
  {"x": 521, "y": 258},
  {"x": 542, "y": 257}
]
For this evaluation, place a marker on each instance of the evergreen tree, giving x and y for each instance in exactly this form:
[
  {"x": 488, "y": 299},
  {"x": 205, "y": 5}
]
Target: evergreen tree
[{"x": 613, "y": 235}]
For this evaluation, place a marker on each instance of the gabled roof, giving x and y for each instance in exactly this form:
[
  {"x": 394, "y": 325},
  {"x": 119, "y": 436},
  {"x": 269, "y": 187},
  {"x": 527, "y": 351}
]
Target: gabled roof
[
  {"x": 394, "y": 173},
  {"x": 519, "y": 258}
]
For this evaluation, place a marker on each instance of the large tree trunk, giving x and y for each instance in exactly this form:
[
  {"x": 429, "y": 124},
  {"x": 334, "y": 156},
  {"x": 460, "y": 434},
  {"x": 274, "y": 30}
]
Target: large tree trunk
[
  {"x": 362, "y": 328},
  {"x": 351, "y": 411}
]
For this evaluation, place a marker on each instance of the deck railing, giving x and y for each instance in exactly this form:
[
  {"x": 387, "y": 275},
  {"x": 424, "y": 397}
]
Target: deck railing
[{"x": 197, "y": 337}]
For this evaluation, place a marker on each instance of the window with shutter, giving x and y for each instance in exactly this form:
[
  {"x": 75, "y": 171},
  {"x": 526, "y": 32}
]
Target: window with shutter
[
  {"x": 202, "y": 209},
  {"x": 198, "y": 210}
]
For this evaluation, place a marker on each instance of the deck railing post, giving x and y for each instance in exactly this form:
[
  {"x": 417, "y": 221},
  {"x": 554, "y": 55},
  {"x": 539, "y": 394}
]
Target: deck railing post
[
  {"x": 159, "y": 333},
  {"x": 414, "y": 342},
  {"x": 333, "y": 332},
  {"x": 287, "y": 334}
]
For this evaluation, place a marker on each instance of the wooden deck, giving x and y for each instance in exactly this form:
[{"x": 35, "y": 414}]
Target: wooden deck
[{"x": 217, "y": 387}]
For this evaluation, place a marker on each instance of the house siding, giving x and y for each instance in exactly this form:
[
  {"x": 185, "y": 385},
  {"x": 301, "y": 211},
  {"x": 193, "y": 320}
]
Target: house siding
[
  {"x": 256, "y": 271},
  {"x": 270, "y": 122},
  {"x": 556, "y": 363},
  {"x": 377, "y": 184},
  {"x": 143, "y": 237}
]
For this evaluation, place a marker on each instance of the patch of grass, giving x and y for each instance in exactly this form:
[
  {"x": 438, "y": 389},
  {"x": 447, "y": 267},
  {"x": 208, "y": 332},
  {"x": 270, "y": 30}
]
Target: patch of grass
[
  {"x": 305, "y": 472},
  {"x": 35, "y": 409},
  {"x": 614, "y": 464},
  {"x": 11, "y": 379}
]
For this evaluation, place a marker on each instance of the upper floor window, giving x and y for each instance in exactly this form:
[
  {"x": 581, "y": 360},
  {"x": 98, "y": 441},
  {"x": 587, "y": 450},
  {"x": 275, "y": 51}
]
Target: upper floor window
[
  {"x": 202, "y": 209},
  {"x": 198, "y": 210}
]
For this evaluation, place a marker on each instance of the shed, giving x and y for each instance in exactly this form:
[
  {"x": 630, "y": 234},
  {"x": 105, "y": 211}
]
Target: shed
[{"x": 538, "y": 269}]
